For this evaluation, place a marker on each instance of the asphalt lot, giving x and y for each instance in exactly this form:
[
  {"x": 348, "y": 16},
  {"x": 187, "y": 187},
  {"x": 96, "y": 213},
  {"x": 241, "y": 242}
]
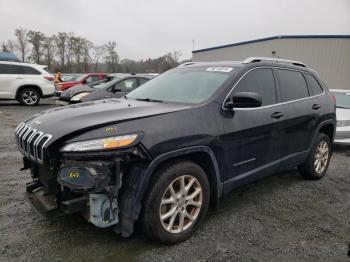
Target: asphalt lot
[{"x": 280, "y": 218}]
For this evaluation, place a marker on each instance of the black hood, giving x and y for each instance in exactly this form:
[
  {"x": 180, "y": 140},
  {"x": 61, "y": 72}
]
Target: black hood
[{"x": 65, "y": 120}]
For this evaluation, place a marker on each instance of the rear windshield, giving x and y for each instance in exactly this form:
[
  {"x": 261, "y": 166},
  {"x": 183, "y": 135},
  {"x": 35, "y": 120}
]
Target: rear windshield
[
  {"x": 343, "y": 99},
  {"x": 184, "y": 85}
]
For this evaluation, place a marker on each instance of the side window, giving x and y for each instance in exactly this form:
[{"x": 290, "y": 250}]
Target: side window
[
  {"x": 142, "y": 81},
  {"x": 260, "y": 81},
  {"x": 315, "y": 87},
  {"x": 292, "y": 85},
  {"x": 126, "y": 85},
  {"x": 30, "y": 71},
  {"x": 10, "y": 69}
]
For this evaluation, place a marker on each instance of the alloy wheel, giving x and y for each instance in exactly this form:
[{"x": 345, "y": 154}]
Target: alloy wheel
[
  {"x": 181, "y": 204},
  {"x": 29, "y": 97},
  {"x": 321, "y": 157}
]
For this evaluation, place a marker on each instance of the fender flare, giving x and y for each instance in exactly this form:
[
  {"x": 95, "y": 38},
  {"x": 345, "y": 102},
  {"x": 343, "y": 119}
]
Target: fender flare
[
  {"x": 18, "y": 90},
  {"x": 322, "y": 124},
  {"x": 186, "y": 151}
]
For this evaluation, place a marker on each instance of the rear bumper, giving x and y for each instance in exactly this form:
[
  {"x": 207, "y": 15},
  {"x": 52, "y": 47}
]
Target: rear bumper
[
  {"x": 58, "y": 93},
  {"x": 342, "y": 141},
  {"x": 342, "y": 136}
]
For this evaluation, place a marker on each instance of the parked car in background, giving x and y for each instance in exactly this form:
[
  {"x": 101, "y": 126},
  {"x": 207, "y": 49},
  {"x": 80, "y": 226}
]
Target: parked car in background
[
  {"x": 83, "y": 79},
  {"x": 26, "y": 83},
  {"x": 75, "y": 93},
  {"x": 342, "y": 136},
  {"x": 170, "y": 148},
  {"x": 118, "y": 87}
]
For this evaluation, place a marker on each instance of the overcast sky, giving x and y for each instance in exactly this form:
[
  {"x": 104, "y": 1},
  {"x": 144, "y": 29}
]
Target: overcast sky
[{"x": 150, "y": 28}]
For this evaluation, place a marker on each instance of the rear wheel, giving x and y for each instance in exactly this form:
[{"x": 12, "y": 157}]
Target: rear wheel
[
  {"x": 29, "y": 97},
  {"x": 317, "y": 163},
  {"x": 176, "y": 203}
]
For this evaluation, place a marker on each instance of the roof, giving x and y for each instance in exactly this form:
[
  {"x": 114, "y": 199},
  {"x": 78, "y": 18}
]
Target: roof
[
  {"x": 7, "y": 56},
  {"x": 273, "y": 38}
]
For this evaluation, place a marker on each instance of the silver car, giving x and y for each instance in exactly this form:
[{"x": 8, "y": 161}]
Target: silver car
[{"x": 343, "y": 116}]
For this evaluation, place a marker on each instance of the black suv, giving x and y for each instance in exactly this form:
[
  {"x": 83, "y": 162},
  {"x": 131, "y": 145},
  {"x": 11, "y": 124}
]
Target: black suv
[{"x": 179, "y": 142}]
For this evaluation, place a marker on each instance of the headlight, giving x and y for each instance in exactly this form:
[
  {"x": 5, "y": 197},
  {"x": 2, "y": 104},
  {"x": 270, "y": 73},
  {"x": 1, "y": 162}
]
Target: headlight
[
  {"x": 342, "y": 123},
  {"x": 100, "y": 144},
  {"x": 79, "y": 96}
]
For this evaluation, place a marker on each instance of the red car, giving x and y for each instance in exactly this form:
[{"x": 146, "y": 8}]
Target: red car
[{"x": 83, "y": 79}]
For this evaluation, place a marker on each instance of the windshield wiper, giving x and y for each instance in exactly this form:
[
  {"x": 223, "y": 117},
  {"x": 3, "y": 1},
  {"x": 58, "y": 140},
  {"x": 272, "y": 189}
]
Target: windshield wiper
[
  {"x": 149, "y": 100},
  {"x": 342, "y": 107}
]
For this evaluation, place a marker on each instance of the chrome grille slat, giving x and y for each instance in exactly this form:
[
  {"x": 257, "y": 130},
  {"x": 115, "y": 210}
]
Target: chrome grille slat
[{"x": 29, "y": 140}]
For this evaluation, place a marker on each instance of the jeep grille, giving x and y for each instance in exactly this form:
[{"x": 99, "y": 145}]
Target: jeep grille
[{"x": 31, "y": 142}]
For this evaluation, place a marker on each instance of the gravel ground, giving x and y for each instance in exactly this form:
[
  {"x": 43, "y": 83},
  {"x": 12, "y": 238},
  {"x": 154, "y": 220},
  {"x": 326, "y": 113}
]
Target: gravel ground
[{"x": 280, "y": 218}]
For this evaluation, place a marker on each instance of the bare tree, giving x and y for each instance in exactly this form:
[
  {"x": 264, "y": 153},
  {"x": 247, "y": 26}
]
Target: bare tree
[
  {"x": 49, "y": 50},
  {"x": 61, "y": 40},
  {"x": 36, "y": 38},
  {"x": 97, "y": 54},
  {"x": 21, "y": 42},
  {"x": 112, "y": 57}
]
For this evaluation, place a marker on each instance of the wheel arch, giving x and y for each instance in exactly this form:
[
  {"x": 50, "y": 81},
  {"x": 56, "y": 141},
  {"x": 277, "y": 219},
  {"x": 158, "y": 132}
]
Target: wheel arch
[
  {"x": 20, "y": 88},
  {"x": 201, "y": 155}
]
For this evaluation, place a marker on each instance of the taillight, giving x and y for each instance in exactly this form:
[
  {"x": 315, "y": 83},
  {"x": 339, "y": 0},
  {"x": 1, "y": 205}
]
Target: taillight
[
  {"x": 50, "y": 78},
  {"x": 334, "y": 99}
]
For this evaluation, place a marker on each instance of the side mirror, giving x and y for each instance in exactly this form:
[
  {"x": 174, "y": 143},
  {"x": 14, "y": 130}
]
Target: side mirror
[{"x": 244, "y": 100}]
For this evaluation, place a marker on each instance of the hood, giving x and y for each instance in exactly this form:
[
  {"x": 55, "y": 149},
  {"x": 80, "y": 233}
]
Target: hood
[
  {"x": 79, "y": 88},
  {"x": 100, "y": 94},
  {"x": 65, "y": 120},
  {"x": 343, "y": 113}
]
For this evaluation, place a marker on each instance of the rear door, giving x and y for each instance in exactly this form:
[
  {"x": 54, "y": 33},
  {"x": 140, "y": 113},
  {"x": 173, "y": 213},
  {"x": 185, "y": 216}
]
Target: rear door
[
  {"x": 10, "y": 78},
  {"x": 301, "y": 114},
  {"x": 251, "y": 139}
]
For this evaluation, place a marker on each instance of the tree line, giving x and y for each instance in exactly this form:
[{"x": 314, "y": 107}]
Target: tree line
[{"x": 69, "y": 53}]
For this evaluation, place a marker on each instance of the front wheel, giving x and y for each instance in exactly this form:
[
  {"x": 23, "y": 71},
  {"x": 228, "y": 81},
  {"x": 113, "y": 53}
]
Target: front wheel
[
  {"x": 176, "y": 203},
  {"x": 317, "y": 163},
  {"x": 29, "y": 97}
]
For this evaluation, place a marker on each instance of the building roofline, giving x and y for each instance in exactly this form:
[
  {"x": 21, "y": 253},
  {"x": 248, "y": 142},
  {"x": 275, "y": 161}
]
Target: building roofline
[{"x": 272, "y": 38}]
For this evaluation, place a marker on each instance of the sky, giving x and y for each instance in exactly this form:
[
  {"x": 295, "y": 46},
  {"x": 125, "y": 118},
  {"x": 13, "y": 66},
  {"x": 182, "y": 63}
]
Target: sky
[{"x": 150, "y": 28}]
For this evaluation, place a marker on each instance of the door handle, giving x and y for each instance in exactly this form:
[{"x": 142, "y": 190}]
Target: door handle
[
  {"x": 277, "y": 115},
  {"x": 19, "y": 77},
  {"x": 316, "y": 106}
]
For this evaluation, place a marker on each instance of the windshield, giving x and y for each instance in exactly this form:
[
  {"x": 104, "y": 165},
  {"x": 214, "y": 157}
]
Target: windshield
[
  {"x": 79, "y": 78},
  {"x": 183, "y": 85},
  {"x": 66, "y": 78},
  {"x": 343, "y": 99}
]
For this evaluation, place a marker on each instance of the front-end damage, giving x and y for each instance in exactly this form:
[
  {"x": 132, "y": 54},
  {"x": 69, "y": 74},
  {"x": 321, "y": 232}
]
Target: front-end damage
[{"x": 106, "y": 188}]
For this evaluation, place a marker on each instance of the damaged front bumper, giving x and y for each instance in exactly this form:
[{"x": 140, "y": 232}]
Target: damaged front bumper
[{"x": 106, "y": 192}]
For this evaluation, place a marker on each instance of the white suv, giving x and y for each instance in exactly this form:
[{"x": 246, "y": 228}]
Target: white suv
[{"x": 26, "y": 83}]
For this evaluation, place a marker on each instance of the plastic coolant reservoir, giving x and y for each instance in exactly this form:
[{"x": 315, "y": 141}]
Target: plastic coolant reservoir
[{"x": 101, "y": 214}]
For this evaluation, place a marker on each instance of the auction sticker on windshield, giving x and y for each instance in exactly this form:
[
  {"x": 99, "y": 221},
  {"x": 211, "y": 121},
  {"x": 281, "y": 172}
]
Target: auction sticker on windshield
[{"x": 219, "y": 69}]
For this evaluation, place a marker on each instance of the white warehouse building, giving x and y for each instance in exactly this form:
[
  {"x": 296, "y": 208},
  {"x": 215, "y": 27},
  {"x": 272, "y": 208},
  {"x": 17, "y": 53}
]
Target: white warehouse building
[{"x": 329, "y": 55}]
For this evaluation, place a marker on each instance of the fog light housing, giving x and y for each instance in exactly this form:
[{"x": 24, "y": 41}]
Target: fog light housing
[{"x": 83, "y": 176}]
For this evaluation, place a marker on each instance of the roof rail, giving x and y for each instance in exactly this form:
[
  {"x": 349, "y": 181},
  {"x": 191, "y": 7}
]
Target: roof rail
[
  {"x": 187, "y": 64},
  {"x": 269, "y": 59}
]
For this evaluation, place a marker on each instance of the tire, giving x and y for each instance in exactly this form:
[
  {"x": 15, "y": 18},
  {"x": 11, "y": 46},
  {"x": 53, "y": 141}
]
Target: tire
[
  {"x": 310, "y": 169},
  {"x": 29, "y": 97},
  {"x": 168, "y": 176}
]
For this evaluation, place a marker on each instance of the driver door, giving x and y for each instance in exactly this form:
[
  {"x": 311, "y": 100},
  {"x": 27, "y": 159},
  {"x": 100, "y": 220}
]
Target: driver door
[{"x": 251, "y": 140}]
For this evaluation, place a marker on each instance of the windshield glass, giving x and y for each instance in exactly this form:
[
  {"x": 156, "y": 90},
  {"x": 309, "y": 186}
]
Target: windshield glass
[
  {"x": 66, "y": 78},
  {"x": 343, "y": 99},
  {"x": 183, "y": 85}
]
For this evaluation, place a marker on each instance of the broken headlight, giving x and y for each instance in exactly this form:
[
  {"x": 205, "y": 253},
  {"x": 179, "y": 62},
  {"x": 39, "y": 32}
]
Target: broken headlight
[{"x": 100, "y": 144}]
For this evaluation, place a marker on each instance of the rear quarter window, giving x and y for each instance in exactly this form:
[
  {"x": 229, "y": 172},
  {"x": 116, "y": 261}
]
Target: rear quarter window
[
  {"x": 315, "y": 87},
  {"x": 30, "y": 71},
  {"x": 292, "y": 85}
]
